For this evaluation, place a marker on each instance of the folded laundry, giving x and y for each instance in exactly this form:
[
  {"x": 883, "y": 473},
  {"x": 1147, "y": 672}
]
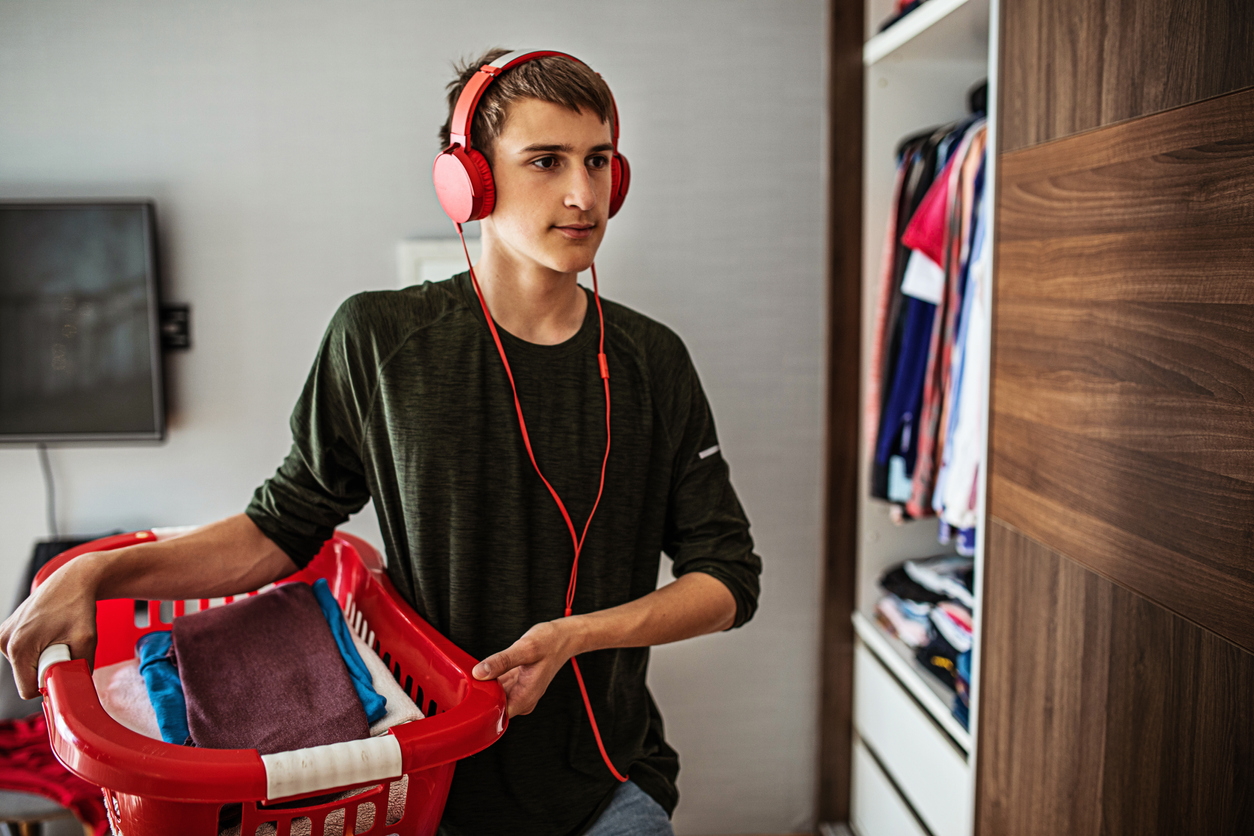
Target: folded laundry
[
  {"x": 944, "y": 576},
  {"x": 400, "y": 707},
  {"x": 917, "y": 610},
  {"x": 941, "y": 659},
  {"x": 899, "y": 583},
  {"x": 957, "y": 636},
  {"x": 265, "y": 673},
  {"x": 165, "y": 691},
  {"x": 124, "y": 697},
  {"x": 375, "y": 706},
  {"x": 909, "y": 629},
  {"x": 960, "y": 614}
]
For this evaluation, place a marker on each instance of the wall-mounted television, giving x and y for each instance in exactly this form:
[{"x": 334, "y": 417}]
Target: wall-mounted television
[{"x": 80, "y": 341}]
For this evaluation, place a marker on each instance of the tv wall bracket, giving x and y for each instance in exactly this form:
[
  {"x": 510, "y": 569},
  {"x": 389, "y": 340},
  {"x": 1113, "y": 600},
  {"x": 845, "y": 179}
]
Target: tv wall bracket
[{"x": 176, "y": 327}]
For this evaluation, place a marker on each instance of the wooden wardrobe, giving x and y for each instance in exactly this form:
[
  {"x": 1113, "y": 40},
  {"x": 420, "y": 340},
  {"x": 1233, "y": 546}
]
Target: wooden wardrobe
[{"x": 1117, "y": 675}]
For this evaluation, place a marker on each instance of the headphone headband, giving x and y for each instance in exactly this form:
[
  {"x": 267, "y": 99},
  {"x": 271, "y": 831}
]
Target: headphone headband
[{"x": 463, "y": 113}]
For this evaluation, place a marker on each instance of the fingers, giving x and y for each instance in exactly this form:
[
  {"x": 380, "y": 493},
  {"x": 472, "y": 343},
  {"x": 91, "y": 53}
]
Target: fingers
[
  {"x": 521, "y": 693},
  {"x": 25, "y": 652},
  {"x": 46, "y": 619},
  {"x": 522, "y": 652},
  {"x": 493, "y": 666}
]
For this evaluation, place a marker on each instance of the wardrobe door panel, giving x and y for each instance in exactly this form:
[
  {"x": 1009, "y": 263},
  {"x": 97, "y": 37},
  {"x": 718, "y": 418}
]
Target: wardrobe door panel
[
  {"x": 1105, "y": 713},
  {"x": 1074, "y": 65},
  {"x": 1118, "y": 659},
  {"x": 1123, "y": 401}
]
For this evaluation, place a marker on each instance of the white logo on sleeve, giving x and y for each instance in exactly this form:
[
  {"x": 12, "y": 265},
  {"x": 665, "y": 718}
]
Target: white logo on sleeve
[{"x": 707, "y": 452}]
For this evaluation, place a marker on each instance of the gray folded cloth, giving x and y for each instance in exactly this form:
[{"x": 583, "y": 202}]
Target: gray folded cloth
[{"x": 265, "y": 673}]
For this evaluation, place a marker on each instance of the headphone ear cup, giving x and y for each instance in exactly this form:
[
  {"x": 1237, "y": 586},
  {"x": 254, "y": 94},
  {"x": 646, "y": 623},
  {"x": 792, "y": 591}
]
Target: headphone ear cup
[
  {"x": 620, "y": 179},
  {"x": 485, "y": 180},
  {"x": 463, "y": 184}
]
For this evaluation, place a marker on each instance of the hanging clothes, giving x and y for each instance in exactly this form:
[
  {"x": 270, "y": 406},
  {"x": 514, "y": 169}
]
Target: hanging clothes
[
  {"x": 929, "y": 352},
  {"x": 917, "y": 169}
]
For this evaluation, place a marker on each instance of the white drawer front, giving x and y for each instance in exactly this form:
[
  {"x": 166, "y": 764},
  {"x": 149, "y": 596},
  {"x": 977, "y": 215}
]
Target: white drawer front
[
  {"x": 929, "y": 769},
  {"x": 875, "y": 807}
]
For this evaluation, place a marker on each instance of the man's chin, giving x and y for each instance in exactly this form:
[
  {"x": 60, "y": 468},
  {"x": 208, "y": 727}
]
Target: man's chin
[{"x": 571, "y": 262}]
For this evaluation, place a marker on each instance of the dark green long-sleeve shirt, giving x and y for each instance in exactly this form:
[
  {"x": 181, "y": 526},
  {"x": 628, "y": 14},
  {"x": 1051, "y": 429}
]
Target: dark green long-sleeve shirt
[{"x": 408, "y": 404}]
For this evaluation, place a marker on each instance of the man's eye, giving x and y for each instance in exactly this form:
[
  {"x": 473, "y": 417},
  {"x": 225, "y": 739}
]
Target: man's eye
[
  {"x": 545, "y": 163},
  {"x": 598, "y": 161}
]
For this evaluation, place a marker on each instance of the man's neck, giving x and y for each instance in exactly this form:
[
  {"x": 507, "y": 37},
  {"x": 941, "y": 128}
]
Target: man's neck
[{"x": 531, "y": 302}]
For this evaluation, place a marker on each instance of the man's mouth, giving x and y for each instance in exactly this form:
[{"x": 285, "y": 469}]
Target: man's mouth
[{"x": 576, "y": 231}]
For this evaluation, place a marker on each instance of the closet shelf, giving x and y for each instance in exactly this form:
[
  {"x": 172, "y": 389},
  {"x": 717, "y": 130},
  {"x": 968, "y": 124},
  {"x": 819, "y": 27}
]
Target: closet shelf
[
  {"x": 936, "y": 30},
  {"x": 935, "y": 697}
]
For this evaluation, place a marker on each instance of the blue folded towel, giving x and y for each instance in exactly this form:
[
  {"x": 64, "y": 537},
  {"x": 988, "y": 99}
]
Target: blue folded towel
[
  {"x": 375, "y": 705},
  {"x": 165, "y": 691}
]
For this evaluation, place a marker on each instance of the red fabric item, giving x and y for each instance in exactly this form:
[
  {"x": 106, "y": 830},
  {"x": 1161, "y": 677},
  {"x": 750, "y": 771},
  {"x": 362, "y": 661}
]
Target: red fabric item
[
  {"x": 28, "y": 765},
  {"x": 928, "y": 225}
]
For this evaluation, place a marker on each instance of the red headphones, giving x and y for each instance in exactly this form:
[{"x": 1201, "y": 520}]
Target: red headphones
[{"x": 463, "y": 179}]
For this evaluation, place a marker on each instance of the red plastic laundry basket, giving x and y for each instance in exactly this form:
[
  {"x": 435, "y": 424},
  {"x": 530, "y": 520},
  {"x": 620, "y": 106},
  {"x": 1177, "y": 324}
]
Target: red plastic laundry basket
[{"x": 154, "y": 788}]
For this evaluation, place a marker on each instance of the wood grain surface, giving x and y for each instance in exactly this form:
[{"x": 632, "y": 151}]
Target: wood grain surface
[
  {"x": 1123, "y": 364},
  {"x": 1073, "y": 65},
  {"x": 1105, "y": 714},
  {"x": 844, "y": 279}
]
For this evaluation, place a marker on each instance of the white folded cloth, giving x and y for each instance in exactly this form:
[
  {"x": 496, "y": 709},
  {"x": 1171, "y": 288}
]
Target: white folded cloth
[
  {"x": 400, "y": 708},
  {"x": 124, "y": 695}
]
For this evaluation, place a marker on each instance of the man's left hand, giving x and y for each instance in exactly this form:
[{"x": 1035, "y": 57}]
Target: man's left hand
[{"x": 526, "y": 667}]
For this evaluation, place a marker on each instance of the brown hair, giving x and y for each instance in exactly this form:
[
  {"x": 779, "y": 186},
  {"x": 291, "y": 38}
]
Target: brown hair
[{"x": 553, "y": 79}]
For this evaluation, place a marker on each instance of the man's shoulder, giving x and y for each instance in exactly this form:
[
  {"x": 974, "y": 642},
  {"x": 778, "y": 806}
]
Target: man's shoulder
[
  {"x": 652, "y": 340},
  {"x": 386, "y": 318}
]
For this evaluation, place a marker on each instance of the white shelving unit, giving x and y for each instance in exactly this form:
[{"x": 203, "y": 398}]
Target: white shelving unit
[{"x": 912, "y": 758}]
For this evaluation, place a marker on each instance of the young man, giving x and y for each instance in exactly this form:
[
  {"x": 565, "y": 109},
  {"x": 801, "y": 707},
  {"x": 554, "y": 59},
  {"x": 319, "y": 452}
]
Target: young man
[{"x": 409, "y": 403}]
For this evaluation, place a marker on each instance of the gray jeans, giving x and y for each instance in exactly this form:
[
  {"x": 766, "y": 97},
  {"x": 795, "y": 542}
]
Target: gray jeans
[{"x": 632, "y": 812}]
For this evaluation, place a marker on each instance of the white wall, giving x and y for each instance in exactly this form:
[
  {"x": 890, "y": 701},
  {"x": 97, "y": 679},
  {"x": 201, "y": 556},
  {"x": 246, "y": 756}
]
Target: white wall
[{"x": 288, "y": 146}]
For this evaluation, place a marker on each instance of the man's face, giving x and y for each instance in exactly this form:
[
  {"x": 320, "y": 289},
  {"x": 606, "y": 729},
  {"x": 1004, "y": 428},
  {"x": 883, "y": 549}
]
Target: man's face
[{"x": 551, "y": 167}]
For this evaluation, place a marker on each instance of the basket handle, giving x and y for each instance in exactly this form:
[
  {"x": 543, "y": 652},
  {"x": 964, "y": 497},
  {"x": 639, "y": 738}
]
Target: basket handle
[
  {"x": 318, "y": 768},
  {"x": 52, "y": 654}
]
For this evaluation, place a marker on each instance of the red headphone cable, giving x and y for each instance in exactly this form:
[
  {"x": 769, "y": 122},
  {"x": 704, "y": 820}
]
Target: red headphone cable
[{"x": 576, "y": 539}]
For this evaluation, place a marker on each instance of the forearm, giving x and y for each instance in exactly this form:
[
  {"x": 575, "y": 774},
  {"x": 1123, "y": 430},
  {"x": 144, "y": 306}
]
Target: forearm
[
  {"x": 693, "y": 605},
  {"x": 228, "y": 557}
]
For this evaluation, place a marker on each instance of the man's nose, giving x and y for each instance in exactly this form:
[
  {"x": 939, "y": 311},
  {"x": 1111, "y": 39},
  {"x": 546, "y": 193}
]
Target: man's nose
[{"x": 580, "y": 193}]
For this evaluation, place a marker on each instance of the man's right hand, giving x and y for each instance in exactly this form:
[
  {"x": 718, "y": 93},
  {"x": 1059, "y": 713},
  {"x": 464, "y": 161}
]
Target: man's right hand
[
  {"x": 228, "y": 557},
  {"x": 61, "y": 611}
]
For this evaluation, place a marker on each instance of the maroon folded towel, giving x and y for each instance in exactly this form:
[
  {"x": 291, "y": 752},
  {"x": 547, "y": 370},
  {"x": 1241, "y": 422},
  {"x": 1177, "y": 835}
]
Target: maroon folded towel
[{"x": 265, "y": 673}]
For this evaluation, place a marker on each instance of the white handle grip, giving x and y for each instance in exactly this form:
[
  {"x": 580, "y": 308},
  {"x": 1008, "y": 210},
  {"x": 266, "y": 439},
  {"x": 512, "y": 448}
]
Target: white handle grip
[
  {"x": 335, "y": 765},
  {"x": 53, "y": 654}
]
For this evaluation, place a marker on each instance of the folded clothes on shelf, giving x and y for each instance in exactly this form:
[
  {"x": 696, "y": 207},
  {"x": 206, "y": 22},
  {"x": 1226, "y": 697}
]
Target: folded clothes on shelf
[
  {"x": 897, "y": 582},
  {"x": 901, "y": 621},
  {"x": 954, "y": 634},
  {"x": 927, "y": 604},
  {"x": 949, "y": 577}
]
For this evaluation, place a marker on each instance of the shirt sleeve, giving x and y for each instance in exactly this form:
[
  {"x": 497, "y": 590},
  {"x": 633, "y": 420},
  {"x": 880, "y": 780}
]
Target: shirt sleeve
[
  {"x": 322, "y": 481},
  {"x": 706, "y": 528}
]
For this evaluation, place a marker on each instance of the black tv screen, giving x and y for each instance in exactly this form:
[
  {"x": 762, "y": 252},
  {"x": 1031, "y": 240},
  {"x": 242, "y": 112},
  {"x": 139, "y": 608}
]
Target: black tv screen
[{"x": 80, "y": 352}]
